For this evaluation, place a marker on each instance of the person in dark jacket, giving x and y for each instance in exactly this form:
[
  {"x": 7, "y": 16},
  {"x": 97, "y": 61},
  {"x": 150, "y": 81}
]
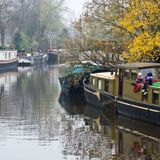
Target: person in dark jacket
[{"x": 148, "y": 80}]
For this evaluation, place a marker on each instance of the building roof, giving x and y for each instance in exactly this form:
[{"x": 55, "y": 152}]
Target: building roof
[{"x": 137, "y": 65}]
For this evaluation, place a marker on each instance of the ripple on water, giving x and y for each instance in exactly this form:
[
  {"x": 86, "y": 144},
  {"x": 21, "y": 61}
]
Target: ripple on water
[{"x": 37, "y": 122}]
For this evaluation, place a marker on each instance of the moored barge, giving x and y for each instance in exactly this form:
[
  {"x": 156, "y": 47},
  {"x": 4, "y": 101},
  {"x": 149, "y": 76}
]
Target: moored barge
[
  {"x": 8, "y": 60},
  {"x": 99, "y": 88},
  {"x": 120, "y": 87}
]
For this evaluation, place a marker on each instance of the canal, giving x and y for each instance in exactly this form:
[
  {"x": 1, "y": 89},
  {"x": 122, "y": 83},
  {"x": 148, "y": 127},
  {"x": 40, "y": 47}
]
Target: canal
[{"x": 38, "y": 123}]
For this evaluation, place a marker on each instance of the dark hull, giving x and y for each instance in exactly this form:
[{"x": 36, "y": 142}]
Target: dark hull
[
  {"x": 129, "y": 108},
  {"x": 68, "y": 88},
  {"x": 39, "y": 60},
  {"x": 52, "y": 58},
  {"x": 24, "y": 64},
  {"x": 8, "y": 66},
  {"x": 97, "y": 99},
  {"x": 138, "y": 127},
  {"x": 138, "y": 110}
]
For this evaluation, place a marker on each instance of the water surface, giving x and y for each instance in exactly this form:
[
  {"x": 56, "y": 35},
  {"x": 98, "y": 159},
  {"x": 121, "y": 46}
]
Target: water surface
[{"x": 37, "y": 122}]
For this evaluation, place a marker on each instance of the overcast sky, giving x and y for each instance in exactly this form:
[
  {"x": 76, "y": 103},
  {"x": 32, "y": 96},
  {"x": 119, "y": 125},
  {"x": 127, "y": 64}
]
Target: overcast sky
[{"x": 75, "y": 6}]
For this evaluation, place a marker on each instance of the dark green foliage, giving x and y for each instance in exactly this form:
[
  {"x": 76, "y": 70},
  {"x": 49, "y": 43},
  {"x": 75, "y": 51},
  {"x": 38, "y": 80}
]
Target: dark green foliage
[
  {"x": 17, "y": 41},
  {"x": 4, "y": 48}
]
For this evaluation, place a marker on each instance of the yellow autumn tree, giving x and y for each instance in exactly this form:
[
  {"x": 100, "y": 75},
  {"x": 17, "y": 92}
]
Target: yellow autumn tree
[
  {"x": 142, "y": 19},
  {"x": 100, "y": 38}
]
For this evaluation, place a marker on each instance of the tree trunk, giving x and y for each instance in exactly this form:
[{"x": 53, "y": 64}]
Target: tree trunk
[{"x": 2, "y": 36}]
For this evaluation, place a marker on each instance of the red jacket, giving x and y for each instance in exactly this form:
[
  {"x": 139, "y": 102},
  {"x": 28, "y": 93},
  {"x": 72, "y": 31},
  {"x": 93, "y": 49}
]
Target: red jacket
[{"x": 137, "y": 87}]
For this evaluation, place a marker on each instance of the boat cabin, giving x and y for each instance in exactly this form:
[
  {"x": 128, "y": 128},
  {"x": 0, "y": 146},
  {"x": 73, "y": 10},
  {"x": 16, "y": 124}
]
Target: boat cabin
[
  {"x": 104, "y": 81},
  {"x": 127, "y": 74},
  {"x": 7, "y": 55}
]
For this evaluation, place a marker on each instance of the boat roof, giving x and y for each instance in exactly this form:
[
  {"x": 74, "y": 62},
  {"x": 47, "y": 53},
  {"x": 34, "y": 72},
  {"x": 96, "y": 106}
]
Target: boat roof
[
  {"x": 103, "y": 75},
  {"x": 138, "y": 65}
]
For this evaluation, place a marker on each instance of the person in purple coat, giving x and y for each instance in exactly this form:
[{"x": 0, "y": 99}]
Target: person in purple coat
[{"x": 147, "y": 81}]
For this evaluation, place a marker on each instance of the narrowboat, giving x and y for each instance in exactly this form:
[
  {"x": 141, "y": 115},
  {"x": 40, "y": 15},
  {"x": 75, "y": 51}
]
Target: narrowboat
[
  {"x": 40, "y": 58},
  {"x": 120, "y": 87},
  {"x": 100, "y": 88},
  {"x": 52, "y": 58},
  {"x": 8, "y": 59},
  {"x": 134, "y": 103},
  {"x": 24, "y": 62}
]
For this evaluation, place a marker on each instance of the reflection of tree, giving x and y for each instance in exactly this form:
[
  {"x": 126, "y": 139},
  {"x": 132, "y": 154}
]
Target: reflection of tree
[
  {"x": 1, "y": 94},
  {"x": 36, "y": 86},
  {"x": 85, "y": 139},
  {"x": 38, "y": 94},
  {"x": 28, "y": 105},
  {"x": 98, "y": 138}
]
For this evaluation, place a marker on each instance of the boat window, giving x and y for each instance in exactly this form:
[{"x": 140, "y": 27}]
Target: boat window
[
  {"x": 133, "y": 74},
  {"x": 145, "y": 71},
  {"x": 93, "y": 81},
  {"x": 127, "y": 74},
  {"x": 106, "y": 85},
  {"x": 9, "y": 55},
  {"x": 99, "y": 84}
]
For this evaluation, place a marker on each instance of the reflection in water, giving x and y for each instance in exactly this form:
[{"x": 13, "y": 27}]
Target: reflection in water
[
  {"x": 88, "y": 132},
  {"x": 137, "y": 140},
  {"x": 37, "y": 122},
  {"x": 103, "y": 137}
]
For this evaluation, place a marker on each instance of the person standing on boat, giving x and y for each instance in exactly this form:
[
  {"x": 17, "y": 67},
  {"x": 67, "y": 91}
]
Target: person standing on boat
[
  {"x": 147, "y": 81},
  {"x": 138, "y": 83},
  {"x": 149, "y": 78},
  {"x": 139, "y": 78}
]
